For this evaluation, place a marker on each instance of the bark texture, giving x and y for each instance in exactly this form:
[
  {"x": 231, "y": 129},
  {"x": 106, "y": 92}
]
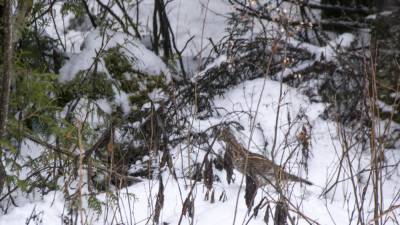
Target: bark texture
[{"x": 6, "y": 79}]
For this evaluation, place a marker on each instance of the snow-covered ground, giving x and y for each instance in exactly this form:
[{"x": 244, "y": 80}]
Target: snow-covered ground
[
  {"x": 136, "y": 203},
  {"x": 259, "y": 98}
]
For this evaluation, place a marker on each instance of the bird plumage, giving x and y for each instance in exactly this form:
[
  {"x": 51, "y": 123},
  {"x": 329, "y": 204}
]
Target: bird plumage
[{"x": 261, "y": 169}]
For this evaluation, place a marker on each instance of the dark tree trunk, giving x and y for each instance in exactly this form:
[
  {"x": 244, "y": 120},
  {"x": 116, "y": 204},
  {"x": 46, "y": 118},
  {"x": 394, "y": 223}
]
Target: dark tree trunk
[
  {"x": 281, "y": 213},
  {"x": 156, "y": 41},
  {"x": 161, "y": 25},
  {"x": 6, "y": 79}
]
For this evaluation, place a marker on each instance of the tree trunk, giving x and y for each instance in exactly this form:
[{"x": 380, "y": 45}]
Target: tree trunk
[
  {"x": 6, "y": 80},
  {"x": 159, "y": 11}
]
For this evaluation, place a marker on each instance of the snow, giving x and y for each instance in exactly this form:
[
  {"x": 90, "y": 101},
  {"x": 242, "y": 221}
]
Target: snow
[
  {"x": 122, "y": 99},
  {"x": 217, "y": 62},
  {"x": 157, "y": 95},
  {"x": 137, "y": 201},
  {"x": 202, "y": 19},
  {"x": 373, "y": 16},
  {"x": 385, "y": 107},
  {"x": 70, "y": 39},
  {"x": 144, "y": 60},
  {"x": 293, "y": 70},
  {"x": 328, "y": 52},
  {"x": 48, "y": 211},
  {"x": 240, "y": 104},
  {"x": 104, "y": 105},
  {"x": 395, "y": 95}
]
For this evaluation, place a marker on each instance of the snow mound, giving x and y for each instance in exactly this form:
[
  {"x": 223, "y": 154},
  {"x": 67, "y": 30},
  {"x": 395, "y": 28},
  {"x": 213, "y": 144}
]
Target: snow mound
[{"x": 145, "y": 60}]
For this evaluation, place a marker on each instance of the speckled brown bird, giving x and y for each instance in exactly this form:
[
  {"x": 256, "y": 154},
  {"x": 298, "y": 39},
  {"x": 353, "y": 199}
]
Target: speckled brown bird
[{"x": 262, "y": 170}]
